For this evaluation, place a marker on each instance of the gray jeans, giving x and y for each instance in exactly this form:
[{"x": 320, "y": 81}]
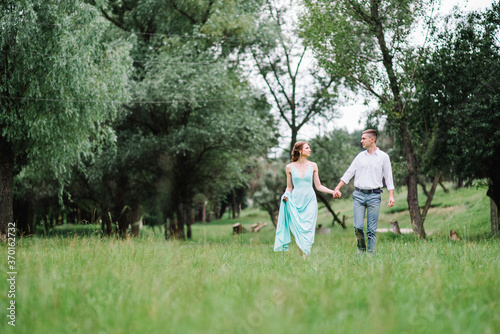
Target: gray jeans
[{"x": 369, "y": 203}]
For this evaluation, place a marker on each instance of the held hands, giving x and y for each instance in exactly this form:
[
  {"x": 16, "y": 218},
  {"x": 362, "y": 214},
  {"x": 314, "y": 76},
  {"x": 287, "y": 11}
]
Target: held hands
[{"x": 336, "y": 194}]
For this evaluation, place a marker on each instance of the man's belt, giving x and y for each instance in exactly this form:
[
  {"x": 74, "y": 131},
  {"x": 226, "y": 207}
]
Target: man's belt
[{"x": 369, "y": 191}]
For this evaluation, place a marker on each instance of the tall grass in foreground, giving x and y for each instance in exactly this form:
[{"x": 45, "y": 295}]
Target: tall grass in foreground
[
  {"x": 89, "y": 285},
  {"x": 219, "y": 283}
]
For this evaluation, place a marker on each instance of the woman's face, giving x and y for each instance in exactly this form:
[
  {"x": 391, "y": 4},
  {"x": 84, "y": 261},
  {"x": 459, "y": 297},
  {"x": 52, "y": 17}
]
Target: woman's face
[{"x": 306, "y": 150}]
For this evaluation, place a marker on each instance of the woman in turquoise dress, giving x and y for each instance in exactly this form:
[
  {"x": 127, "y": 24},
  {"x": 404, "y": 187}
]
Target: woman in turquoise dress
[{"x": 299, "y": 207}]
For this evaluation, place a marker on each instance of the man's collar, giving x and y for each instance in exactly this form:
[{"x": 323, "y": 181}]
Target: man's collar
[{"x": 375, "y": 152}]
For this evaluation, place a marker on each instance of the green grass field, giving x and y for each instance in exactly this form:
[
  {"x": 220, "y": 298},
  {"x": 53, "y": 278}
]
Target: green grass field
[{"x": 220, "y": 283}]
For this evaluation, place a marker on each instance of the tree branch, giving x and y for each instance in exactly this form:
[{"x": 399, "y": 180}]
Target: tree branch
[
  {"x": 387, "y": 57},
  {"x": 110, "y": 19},
  {"x": 174, "y": 4},
  {"x": 298, "y": 65},
  {"x": 357, "y": 8},
  {"x": 313, "y": 108},
  {"x": 280, "y": 108},
  {"x": 207, "y": 12},
  {"x": 275, "y": 72},
  {"x": 427, "y": 206},
  {"x": 364, "y": 85}
]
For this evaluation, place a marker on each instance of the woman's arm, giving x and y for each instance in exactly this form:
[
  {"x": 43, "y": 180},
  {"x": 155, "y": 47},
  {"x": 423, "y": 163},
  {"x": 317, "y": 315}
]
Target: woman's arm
[
  {"x": 317, "y": 182},
  {"x": 289, "y": 185}
]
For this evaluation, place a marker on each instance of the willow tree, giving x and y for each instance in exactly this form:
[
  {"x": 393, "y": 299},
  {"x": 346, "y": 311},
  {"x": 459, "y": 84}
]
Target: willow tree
[
  {"x": 367, "y": 43},
  {"x": 59, "y": 73}
]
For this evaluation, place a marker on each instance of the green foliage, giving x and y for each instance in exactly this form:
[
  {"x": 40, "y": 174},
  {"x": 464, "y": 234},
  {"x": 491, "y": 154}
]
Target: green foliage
[
  {"x": 211, "y": 131},
  {"x": 59, "y": 70},
  {"x": 459, "y": 88},
  {"x": 458, "y": 98},
  {"x": 346, "y": 41},
  {"x": 196, "y": 125}
]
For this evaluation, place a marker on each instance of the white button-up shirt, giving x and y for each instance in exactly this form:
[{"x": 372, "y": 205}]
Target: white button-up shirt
[{"x": 369, "y": 170}]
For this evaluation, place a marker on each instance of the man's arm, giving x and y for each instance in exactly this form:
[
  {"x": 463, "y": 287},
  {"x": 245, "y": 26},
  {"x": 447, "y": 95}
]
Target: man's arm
[
  {"x": 349, "y": 173},
  {"x": 387, "y": 172}
]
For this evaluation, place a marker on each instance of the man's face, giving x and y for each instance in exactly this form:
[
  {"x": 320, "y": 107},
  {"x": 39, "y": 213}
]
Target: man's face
[{"x": 367, "y": 140}]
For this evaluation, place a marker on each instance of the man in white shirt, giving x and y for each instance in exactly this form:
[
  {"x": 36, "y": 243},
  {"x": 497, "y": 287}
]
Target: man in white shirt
[{"x": 368, "y": 169}]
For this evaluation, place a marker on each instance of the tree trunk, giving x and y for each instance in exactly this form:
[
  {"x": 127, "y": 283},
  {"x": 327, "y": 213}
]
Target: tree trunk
[
  {"x": 177, "y": 230},
  {"x": 103, "y": 224},
  {"x": 123, "y": 221},
  {"x": 412, "y": 166},
  {"x": 136, "y": 219},
  {"x": 189, "y": 234},
  {"x": 424, "y": 187},
  {"x": 494, "y": 218},
  {"x": 442, "y": 186},
  {"x": 6, "y": 185},
  {"x": 170, "y": 226},
  {"x": 233, "y": 202},
  {"x": 494, "y": 186},
  {"x": 107, "y": 226},
  {"x": 494, "y": 195},
  {"x": 412, "y": 183},
  {"x": 294, "y": 137},
  {"x": 24, "y": 215},
  {"x": 204, "y": 213},
  {"x": 221, "y": 211},
  {"x": 70, "y": 216}
]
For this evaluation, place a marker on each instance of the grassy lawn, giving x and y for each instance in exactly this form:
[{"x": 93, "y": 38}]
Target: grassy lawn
[{"x": 220, "y": 283}]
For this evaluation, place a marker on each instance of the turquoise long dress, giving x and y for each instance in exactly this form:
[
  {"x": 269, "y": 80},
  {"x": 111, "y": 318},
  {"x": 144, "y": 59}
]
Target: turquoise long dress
[{"x": 298, "y": 214}]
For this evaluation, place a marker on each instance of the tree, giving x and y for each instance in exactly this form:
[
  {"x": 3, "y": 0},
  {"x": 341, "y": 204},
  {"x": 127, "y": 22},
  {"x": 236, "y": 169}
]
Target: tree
[
  {"x": 59, "y": 72},
  {"x": 206, "y": 124},
  {"x": 209, "y": 135},
  {"x": 299, "y": 91},
  {"x": 459, "y": 88},
  {"x": 367, "y": 44}
]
